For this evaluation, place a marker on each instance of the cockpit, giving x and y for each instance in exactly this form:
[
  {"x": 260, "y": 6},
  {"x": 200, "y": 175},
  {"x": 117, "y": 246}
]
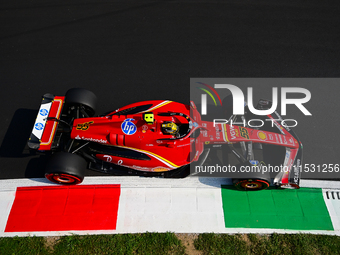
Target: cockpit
[{"x": 176, "y": 129}]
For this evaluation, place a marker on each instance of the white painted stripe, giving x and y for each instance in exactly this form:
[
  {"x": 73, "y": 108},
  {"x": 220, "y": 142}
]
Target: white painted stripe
[
  {"x": 333, "y": 206},
  {"x": 320, "y": 184},
  {"x": 184, "y": 210},
  {"x": 6, "y": 202},
  {"x": 189, "y": 205}
]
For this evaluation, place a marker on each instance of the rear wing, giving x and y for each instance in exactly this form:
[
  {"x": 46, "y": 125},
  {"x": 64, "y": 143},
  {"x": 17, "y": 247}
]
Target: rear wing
[{"x": 46, "y": 123}]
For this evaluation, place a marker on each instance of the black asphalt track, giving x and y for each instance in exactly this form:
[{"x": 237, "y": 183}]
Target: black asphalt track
[{"x": 128, "y": 51}]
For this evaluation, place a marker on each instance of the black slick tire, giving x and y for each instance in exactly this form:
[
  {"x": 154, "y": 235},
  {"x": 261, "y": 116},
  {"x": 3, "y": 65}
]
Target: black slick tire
[{"x": 65, "y": 168}]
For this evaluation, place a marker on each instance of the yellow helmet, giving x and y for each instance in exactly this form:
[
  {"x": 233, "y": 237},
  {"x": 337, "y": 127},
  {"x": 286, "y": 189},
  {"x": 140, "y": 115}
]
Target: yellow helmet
[{"x": 170, "y": 128}]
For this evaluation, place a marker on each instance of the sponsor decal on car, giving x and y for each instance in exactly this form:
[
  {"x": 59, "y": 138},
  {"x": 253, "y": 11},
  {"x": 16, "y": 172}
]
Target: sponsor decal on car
[
  {"x": 41, "y": 120},
  {"x": 160, "y": 169},
  {"x": 261, "y": 135},
  {"x": 140, "y": 168},
  {"x": 108, "y": 158},
  {"x": 39, "y": 126},
  {"x": 43, "y": 112},
  {"x": 280, "y": 138},
  {"x": 244, "y": 132},
  {"x": 204, "y": 133},
  {"x": 234, "y": 132},
  {"x": 128, "y": 127},
  {"x": 94, "y": 140},
  {"x": 84, "y": 126},
  {"x": 218, "y": 134},
  {"x": 285, "y": 163},
  {"x": 90, "y": 139},
  {"x": 254, "y": 162}
]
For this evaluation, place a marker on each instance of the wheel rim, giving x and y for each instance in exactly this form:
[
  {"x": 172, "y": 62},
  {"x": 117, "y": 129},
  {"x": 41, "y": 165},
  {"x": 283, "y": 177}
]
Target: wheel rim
[
  {"x": 253, "y": 184},
  {"x": 63, "y": 178}
]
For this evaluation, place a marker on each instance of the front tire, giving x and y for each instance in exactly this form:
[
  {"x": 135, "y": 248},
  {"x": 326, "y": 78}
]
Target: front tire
[
  {"x": 65, "y": 168},
  {"x": 252, "y": 184}
]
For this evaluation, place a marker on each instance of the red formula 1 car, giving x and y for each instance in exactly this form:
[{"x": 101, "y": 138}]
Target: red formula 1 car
[{"x": 151, "y": 138}]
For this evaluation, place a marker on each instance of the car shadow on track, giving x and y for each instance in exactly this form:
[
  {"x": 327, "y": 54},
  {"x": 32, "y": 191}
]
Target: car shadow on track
[{"x": 14, "y": 145}]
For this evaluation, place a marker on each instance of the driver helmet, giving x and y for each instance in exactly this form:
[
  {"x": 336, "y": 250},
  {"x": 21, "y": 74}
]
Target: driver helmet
[{"x": 170, "y": 128}]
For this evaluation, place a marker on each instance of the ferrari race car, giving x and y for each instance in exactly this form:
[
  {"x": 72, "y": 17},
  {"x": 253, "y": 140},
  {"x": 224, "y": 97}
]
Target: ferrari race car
[{"x": 154, "y": 138}]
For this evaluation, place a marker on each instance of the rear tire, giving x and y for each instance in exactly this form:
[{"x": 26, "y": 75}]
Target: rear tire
[
  {"x": 82, "y": 99},
  {"x": 65, "y": 168}
]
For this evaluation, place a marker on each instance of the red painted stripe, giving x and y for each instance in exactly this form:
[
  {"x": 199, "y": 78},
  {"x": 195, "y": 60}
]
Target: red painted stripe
[{"x": 62, "y": 208}]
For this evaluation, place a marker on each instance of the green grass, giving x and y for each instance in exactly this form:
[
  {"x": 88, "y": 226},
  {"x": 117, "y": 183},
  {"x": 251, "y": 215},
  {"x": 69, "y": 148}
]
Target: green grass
[
  {"x": 23, "y": 245},
  {"x": 168, "y": 243},
  {"x": 267, "y": 244},
  {"x": 147, "y": 243}
]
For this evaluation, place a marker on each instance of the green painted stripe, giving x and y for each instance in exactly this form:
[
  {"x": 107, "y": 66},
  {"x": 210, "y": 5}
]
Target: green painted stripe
[{"x": 302, "y": 209}]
